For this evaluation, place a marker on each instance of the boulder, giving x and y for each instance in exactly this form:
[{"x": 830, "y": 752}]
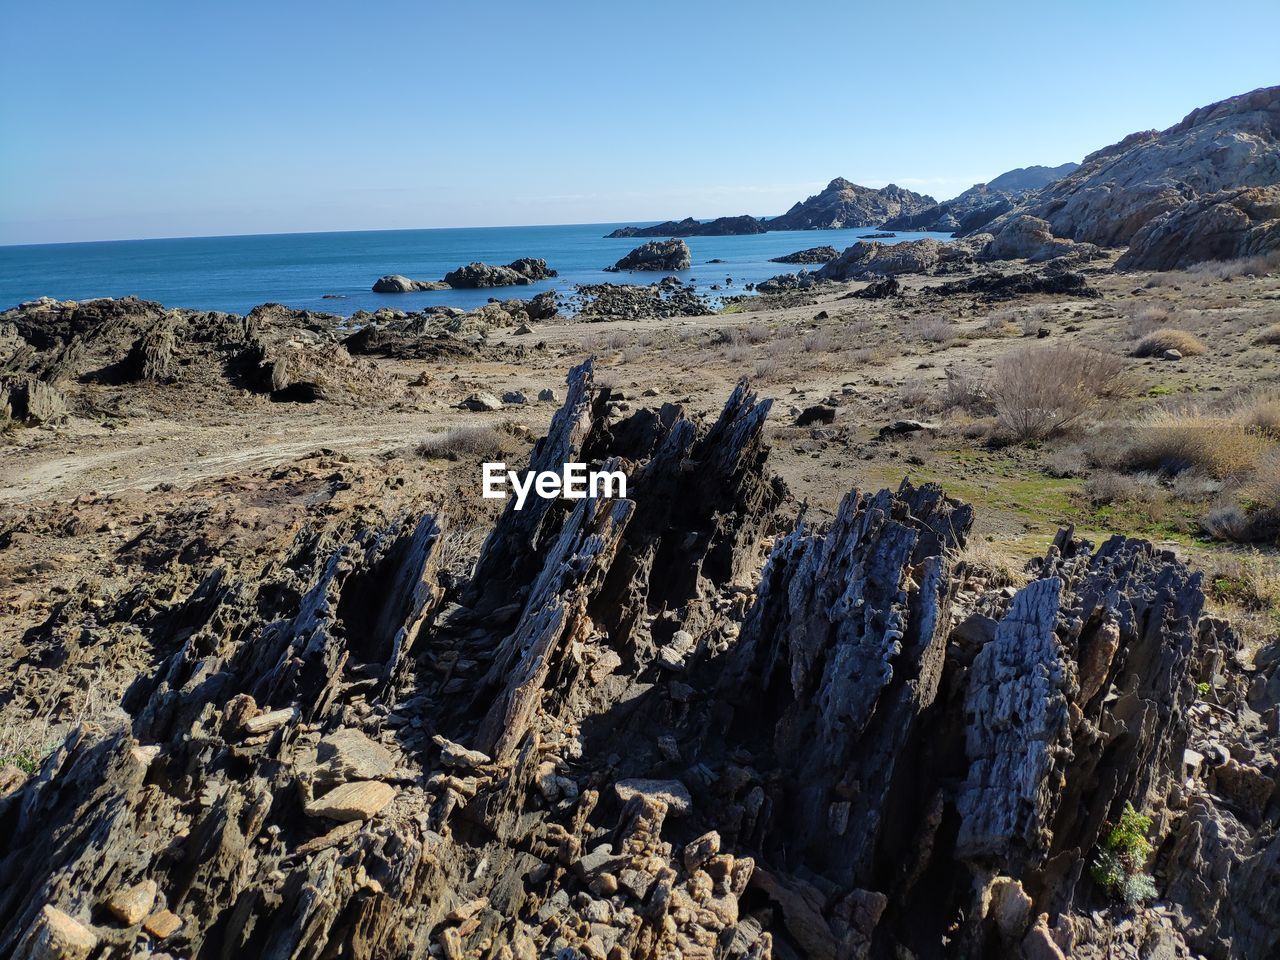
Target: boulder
[
  {"x": 1029, "y": 238},
  {"x": 656, "y": 255},
  {"x": 482, "y": 403}
]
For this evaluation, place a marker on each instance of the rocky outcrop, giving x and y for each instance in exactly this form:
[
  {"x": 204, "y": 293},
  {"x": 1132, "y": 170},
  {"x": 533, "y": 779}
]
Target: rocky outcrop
[
  {"x": 483, "y": 275},
  {"x": 665, "y": 255},
  {"x": 1030, "y": 238},
  {"x": 658, "y": 301},
  {"x": 689, "y": 227},
  {"x": 1122, "y": 188},
  {"x": 686, "y": 720},
  {"x": 68, "y": 346},
  {"x": 811, "y": 255},
  {"x": 394, "y": 283},
  {"x": 843, "y": 204},
  {"x": 1226, "y": 225},
  {"x": 871, "y": 258}
]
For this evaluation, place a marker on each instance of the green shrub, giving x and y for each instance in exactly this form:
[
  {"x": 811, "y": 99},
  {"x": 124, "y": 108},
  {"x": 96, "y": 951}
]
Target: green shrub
[{"x": 1119, "y": 865}]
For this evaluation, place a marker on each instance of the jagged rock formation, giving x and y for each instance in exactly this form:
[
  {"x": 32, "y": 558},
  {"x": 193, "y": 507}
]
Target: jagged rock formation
[
  {"x": 667, "y": 255},
  {"x": 671, "y": 724},
  {"x": 689, "y": 227},
  {"x": 845, "y": 204},
  {"x": 983, "y": 202},
  {"x": 1124, "y": 187},
  {"x": 663, "y": 300},
  {"x": 1226, "y": 225}
]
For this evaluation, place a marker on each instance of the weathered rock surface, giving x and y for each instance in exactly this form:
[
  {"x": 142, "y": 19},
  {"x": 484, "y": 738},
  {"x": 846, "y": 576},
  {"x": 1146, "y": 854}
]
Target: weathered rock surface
[
  {"x": 666, "y": 255},
  {"x": 1226, "y": 225},
  {"x": 870, "y": 749},
  {"x": 1030, "y": 238},
  {"x": 844, "y": 204},
  {"x": 394, "y": 283}
]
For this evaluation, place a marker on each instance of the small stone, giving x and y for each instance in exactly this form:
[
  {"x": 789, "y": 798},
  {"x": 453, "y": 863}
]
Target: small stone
[
  {"x": 671, "y": 792},
  {"x": 357, "y": 800},
  {"x": 481, "y": 403},
  {"x": 547, "y": 395},
  {"x": 1171, "y": 354},
  {"x": 350, "y": 755},
  {"x": 130, "y": 904},
  {"x": 455, "y": 755},
  {"x": 163, "y": 924},
  {"x": 699, "y": 851},
  {"x": 514, "y": 397},
  {"x": 266, "y": 722}
]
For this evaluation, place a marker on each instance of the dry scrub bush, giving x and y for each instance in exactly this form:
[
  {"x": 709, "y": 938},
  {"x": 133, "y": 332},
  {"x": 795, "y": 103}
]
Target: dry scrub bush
[
  {"x": 1245, "y": 588},
  {"x": 1158, "y": 341},
  {"x": 982, "y": 559},
  {"x": 1257, "y": 266},
  {"x": 1148, "y": 318},
  {"x": 1039, "y": 391},
  {"x": 967, "y": 391},
  {"x": 477, "y": 444},
  {"x": 1268, "y": 337},
  {"x": 933, "y": 329},
  {"x": 1263, "y": 415},
  {"x": 820, "y": 341}
]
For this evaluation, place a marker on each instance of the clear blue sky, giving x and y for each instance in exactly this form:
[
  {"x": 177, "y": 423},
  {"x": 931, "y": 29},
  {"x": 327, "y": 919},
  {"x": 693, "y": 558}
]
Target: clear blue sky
[{"x": 142, "y": 119}]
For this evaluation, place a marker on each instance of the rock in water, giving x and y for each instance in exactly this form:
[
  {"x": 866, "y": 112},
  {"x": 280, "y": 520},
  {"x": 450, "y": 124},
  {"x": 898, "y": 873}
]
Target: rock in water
[
  {"x": 811, "y": 255},
  {"x": 483, "y": 275},
  {"x": 666, "y": 255},
  {"x": 394, "y": 283}
]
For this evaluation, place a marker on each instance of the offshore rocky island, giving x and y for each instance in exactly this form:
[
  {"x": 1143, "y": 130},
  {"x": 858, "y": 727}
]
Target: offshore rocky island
[{"x": 283, "y": 685}]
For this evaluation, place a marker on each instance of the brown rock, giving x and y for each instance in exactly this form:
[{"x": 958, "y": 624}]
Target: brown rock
[
  {"x": 357, "y": 800},
  {"x": 57, "y": 936},
  {"x": 131, "y": 904},
  {"x": 163, "y": 924}
]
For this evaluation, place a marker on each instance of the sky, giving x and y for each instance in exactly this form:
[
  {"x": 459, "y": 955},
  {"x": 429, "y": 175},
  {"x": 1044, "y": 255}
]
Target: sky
[{"x": 135, "y": 119}]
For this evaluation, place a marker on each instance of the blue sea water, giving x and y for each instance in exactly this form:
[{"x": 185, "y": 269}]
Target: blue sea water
[{"x": 236, "y": 274}]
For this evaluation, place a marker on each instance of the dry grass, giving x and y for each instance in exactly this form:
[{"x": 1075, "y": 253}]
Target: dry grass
[
  {"x": 1173, "y": 441},
  {"x": 1245, "y": 588},
  {"x": 983, "y": 559},
  {"x": 1039, "y": 391},
  {"x": 1159, "y": 341},
  {"x": 1257, "y": 266}
]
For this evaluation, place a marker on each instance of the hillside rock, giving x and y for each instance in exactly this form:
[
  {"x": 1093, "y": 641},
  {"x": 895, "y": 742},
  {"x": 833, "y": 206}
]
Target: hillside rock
[
  {"x": 1225, "y": 225},
  {"x": 394, "y": 283},
  {"x": 983, "y": 202},
  {"x": 689, "y": 227},
  {"x": 666, "y": 255},
  {"x": 1120, "y": 189},
  {"x": 844, "y": 204}
]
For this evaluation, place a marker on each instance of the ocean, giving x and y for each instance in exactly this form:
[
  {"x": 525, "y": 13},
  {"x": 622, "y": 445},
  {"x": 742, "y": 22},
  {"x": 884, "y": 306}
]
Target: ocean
[{"x": 236, "y": 274}]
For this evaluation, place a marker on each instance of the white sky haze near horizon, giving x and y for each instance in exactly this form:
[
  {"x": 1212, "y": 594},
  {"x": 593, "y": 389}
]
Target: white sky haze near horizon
[{"x": 148, "y": 119}]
